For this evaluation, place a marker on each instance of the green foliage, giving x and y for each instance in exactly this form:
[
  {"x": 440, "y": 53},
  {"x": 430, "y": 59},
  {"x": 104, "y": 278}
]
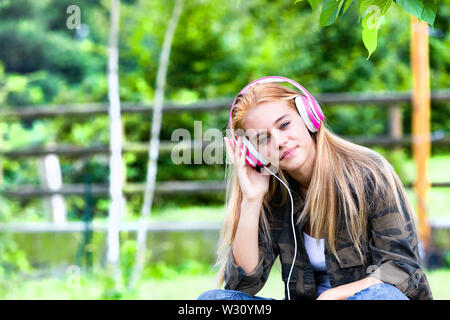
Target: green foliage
[
  {"x": 330, "y": 12},
  {"x": 110, "y": 290},
  {"x": 12, "y": 259},
  {"x": 422, "y": 9},
  {"x": 162, "y": 270},
  {"x": 447, "y": 258},
  {"x": 372, "y": 12},
  {"x": 219, "y": 47},
  {"x": 127, "y": 255}
]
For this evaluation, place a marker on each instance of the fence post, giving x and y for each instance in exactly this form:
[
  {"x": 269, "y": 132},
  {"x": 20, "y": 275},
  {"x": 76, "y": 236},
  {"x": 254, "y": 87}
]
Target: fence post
[
  {"x": 51, "y": 178},
  {"x": 421, "y": 122},
  {"x": 395, "y": 121}
]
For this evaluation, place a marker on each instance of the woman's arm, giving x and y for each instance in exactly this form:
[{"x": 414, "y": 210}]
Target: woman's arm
[
  {"x": 254, "y": 186},
  {"x": 250, "y": 259},
  {"x": 349, "y": 289},
  {"x": 245, "y": 244}
]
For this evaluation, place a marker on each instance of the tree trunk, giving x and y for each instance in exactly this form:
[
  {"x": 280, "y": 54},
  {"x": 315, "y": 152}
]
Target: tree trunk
[
  {"x": 154, "y": 145},
  {"x": 115, "y": 141}
]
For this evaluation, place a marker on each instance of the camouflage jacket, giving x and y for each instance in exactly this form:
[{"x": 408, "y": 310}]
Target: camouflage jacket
[{"x": 391, "y": 256}]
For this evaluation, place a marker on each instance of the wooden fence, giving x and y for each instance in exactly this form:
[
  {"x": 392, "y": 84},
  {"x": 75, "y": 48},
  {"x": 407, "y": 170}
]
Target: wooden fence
[{"x": 392, "y": 100}]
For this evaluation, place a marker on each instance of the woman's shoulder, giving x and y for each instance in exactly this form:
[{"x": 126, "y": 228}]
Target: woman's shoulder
[{"x": 373, "y": 168}]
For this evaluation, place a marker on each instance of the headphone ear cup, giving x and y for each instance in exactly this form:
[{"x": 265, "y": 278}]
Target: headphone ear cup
[{"x": 302, "y": 104}]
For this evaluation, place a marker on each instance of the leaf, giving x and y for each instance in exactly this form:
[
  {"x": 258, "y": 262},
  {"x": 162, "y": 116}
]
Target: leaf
[
  {"x": 316, "y": 6},
  {"x": 373, "y": 11},
  {"x": 330, "y": 11},
  {"x": 314, "y": 3},
  {"x": 422, "y": 9},
  {"x": 429, "y": 11},
  {"x": 414, "y": 7},
  {"x": 379, "y": 5},
  {"x": 369, "y": 36},
  {"x": 339, "y": 8},
  {"x": 347, "y": 5}
]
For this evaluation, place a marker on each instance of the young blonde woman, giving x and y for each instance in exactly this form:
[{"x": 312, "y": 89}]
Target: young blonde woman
[{"x": 344, "y": 231}]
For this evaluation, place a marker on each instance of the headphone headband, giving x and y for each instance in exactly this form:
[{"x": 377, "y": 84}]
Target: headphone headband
[{"x": 315, "y": 114}]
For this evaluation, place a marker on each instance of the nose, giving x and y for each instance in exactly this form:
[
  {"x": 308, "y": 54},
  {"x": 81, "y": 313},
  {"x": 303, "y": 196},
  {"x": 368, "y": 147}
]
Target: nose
[{"x": 280, "y": 139}]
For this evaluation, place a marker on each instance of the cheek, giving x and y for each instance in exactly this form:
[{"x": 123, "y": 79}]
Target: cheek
[{"x": 301, "y": 135}]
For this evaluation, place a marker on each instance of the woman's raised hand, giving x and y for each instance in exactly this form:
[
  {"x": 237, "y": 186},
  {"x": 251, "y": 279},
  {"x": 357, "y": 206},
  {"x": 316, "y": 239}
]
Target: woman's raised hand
[{"x": 253, "y": 184}]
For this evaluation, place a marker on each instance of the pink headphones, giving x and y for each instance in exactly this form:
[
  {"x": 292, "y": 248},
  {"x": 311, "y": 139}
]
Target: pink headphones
[{"x": 307, "y": 106}]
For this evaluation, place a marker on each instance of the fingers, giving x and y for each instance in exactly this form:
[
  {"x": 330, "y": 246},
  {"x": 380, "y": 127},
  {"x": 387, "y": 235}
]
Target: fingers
[
  {"x": 236, "y": 153},
  {"x": 237, "y": 150},
  {"x": 229, "y": 149},
  {"x": 243, "y": 156}
]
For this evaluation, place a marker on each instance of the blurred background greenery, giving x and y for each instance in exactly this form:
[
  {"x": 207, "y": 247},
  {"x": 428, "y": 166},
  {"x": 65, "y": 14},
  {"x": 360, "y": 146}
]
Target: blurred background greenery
[{"x": 219, "y": 47}]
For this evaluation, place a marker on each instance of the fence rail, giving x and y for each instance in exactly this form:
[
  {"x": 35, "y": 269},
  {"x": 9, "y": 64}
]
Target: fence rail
[
  {"x": 78, "y": 226},
  {"x": 166, "y": 187},
  {"x": 90, "y": 109},
  {"x": 384, "y": 99},
  {"x": 152, "y": 226},
  {"x": 167, "y": 146}
]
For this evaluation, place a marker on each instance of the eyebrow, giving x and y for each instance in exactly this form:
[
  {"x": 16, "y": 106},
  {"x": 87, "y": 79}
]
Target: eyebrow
[{"x": 279, "y": 119}]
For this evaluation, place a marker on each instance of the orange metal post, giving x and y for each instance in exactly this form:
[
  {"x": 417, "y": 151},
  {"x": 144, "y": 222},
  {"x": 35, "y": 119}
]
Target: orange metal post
[{"x": 421, "y": 121}]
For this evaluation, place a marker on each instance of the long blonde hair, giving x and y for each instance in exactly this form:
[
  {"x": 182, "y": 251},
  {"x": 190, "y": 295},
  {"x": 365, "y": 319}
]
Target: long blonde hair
[{"x": 338, "y": 187}]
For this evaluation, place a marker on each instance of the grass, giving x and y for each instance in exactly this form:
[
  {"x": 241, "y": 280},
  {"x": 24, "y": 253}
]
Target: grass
[
  {"x": 437, "y": 169},
  {"x": 438, "y": 198},
  {"x": 439, "y": 281},
  {"x": 182, "y": 287},
  {"x": 195, "y": 213}
]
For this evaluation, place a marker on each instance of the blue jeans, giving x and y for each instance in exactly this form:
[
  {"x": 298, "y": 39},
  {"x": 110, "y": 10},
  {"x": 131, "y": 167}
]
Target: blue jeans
[{"x": 379, "y": 291}]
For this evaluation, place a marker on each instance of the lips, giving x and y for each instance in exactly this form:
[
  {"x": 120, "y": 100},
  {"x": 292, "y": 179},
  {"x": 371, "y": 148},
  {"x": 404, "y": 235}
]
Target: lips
[{"x": 288, "y": 153}]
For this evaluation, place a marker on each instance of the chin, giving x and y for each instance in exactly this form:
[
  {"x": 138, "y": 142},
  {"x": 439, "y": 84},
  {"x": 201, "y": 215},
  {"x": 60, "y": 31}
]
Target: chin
[{"x": 293, "y": 164}]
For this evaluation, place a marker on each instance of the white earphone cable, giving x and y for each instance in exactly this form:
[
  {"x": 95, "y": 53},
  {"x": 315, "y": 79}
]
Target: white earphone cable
[{"x": 293, "y": 231}]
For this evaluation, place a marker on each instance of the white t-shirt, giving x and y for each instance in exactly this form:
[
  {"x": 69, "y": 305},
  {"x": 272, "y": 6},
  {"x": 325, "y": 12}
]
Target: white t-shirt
[{"x": 316, "y": 254}]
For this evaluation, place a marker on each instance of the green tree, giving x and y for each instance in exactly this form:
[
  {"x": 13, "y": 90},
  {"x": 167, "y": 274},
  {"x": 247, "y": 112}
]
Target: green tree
[{"x": 371, "y": 12}]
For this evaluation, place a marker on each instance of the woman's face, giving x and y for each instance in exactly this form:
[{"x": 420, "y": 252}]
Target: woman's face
[{"x": 280, "y": 135}]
